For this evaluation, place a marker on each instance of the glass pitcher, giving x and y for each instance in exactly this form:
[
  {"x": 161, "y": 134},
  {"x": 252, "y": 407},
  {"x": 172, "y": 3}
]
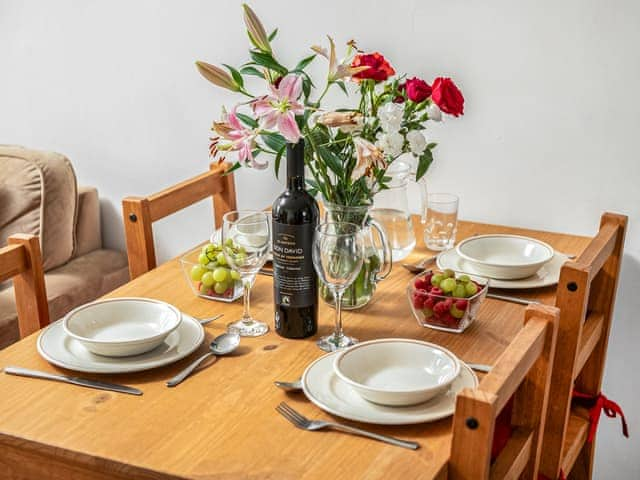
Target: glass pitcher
[
  {"x": 391, "y": 209},
  {"x": 377, "y": 258}
]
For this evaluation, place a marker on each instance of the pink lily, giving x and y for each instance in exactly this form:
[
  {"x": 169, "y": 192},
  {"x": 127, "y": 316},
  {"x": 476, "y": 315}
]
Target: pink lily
[
  {"x": 281, "y": 107},
  {"x": 242, "y": 138}
]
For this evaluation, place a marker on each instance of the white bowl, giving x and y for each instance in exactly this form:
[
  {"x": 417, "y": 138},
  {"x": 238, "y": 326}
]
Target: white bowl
[
  {"x": 505, "y": 257},
  {"x": 397, "y": 371},
  {"x": 121, "y": 327}
]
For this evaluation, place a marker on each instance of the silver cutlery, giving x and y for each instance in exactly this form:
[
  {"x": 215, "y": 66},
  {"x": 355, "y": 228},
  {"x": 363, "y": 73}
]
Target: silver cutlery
[
  {"x": 296, "y": 385},
  {"x": 221, "y": 345},
  {"x": 304, "y": 423},
  {"x": 509, "y": 298},
  {"x": 205, "y": 321},
  {"x": 421, "y": 266},
  {"x": 83, "y": 382}
]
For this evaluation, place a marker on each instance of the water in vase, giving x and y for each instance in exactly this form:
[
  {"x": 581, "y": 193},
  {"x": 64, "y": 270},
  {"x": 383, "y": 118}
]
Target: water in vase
[{"x": 398, "y": 226}]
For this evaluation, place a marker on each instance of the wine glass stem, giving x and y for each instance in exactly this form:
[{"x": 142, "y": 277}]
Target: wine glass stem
[
  {"x": 246, "y": 316},
  {"x": 337, "y": 334}
]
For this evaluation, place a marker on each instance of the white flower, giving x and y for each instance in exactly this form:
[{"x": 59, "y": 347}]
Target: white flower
[
  {"x": 434, "y": 113},
  {"x": 390, "y": 116},
  {"x": 390, "y": 143},
  {"x": 417, "y": 142}
]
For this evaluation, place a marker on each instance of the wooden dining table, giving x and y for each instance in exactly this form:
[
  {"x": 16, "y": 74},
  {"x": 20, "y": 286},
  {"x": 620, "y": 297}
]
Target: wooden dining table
[{"x": 221, "y": 423}]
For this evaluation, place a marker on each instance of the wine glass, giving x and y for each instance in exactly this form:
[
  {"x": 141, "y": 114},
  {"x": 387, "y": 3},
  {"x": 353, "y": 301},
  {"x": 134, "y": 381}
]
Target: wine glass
[
  {"x": 245, "y": 243},
  {"x": 338, "y": 254}
]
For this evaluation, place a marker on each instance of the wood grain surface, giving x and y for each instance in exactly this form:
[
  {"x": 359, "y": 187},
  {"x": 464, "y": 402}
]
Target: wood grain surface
[{"x": 221, "y": 423}]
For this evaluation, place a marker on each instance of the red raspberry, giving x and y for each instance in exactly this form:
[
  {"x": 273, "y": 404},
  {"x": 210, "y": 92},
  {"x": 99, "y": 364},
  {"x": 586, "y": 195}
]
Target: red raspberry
[
  {"x": 451, "y": 321},
  {"x": 421, "y": 284},
  {"x": 462, "y": 305},
  {"x": 440, "y": 309},
  {"x": 427, "y": 277},
  {"x": 429, "y": 302},
  {"x": 448, "y": 302},
  {"x": 436, "y": 291}
]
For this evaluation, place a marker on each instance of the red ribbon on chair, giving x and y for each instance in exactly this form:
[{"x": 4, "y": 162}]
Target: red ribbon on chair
[{"x": 598, "y": 404}]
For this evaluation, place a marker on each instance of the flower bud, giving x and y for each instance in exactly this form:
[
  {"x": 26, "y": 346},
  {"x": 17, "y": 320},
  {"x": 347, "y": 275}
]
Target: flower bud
[
  {"x": 217, "y": 76},
  {"x": 256, "y": 31}
]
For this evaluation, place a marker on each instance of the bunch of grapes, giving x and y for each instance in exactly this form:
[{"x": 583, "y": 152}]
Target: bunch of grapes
[
  {"x": 213, "y": 274},
  {"x": 443, "y": 298}
]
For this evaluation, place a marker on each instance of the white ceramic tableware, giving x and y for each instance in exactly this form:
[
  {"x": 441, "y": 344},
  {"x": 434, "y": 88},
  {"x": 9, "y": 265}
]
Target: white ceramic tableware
[
  {"x": 505, "y": 257},
  {"x": 326, "y": 390},
  {"x": 122, "y": 327},
  {"x": 548, "y": 275},
  {"x": 58, "y": 348},
  {"x": 396, "y": 371}
]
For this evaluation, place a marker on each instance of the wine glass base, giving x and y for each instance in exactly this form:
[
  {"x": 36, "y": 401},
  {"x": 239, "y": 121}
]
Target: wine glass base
[
  {"x": 331, "y": 344},
  {"x": 245, "y": 328}
]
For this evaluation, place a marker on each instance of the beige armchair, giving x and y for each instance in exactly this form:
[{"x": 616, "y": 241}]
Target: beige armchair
[{"x": 39, "y": 196}]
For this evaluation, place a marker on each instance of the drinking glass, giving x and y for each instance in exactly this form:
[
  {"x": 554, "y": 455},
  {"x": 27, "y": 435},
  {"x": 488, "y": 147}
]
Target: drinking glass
[
  {"x": 245, "y": 243},
  {"x": 338, "y": 254},
  {"x": 441, "y": 221}
]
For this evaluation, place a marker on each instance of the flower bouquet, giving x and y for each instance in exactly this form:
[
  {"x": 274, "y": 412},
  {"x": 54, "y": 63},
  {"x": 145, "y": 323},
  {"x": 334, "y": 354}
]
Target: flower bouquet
[{"x": 347, "y": 150}]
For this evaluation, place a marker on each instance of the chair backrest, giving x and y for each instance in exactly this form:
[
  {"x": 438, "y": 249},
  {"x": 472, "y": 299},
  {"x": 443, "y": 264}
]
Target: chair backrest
[
  {"x": 140, "y": 212},
  {"x": 521, "y": 375},
  {"x": 21, "y": 260},
  {"x": 586, "y": 296}
]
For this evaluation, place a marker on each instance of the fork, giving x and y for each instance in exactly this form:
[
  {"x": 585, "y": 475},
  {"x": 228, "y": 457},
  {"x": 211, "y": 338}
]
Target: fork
[{"x": 304, "y": 423}]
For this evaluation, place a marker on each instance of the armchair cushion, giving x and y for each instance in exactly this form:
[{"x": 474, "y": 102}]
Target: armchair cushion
[{"x": 38, "y": 195}]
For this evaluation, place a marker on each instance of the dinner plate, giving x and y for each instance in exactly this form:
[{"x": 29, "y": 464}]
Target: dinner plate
[
  {"x": 548, "y": 275},
  {"x": 326, "y": 390},
  {"x": 60, "y": 349}
]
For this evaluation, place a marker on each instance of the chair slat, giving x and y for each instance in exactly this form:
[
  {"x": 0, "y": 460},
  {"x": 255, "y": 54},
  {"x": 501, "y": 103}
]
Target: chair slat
[
  {"x": 13, "y": 260},
  {"x": 591, "y": 333},
  {"x": 514, "y": 457},
  {"x": 599, "y": 250}
]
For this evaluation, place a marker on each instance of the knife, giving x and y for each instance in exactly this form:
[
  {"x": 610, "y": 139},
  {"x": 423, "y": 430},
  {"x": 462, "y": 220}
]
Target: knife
[
  {"x": 83, "y": 382},
  {"x": 509, "y": 298}
]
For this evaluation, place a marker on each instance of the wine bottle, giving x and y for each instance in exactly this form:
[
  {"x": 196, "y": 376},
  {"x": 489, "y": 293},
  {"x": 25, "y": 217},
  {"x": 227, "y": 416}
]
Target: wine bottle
[{"x": 295, "y": 283}]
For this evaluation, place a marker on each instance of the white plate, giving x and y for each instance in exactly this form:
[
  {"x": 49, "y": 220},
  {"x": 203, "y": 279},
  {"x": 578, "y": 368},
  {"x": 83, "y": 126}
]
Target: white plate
[
  {"x": 60, "y": 349},
  {"x": 326, "y": 390},
  {"x": 545, "y": 277}
]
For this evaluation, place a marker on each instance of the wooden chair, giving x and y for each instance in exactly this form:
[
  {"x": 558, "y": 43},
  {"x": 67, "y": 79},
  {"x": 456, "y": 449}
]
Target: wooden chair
[
  {"x": 139, "y": 213},
  {"x": 21, "y": 260},
  {"x": 586, "y": 296},
  {"x": 522, "y": 373}
]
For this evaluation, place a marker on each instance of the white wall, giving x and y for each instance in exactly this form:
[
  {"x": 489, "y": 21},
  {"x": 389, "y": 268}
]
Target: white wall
[{"x": 548, "y": 141}]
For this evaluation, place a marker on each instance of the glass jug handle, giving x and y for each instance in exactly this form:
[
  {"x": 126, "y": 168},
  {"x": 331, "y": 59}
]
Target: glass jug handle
[
  {"x": 422, "y": 185},
  {"x": 385, "y": 265}
]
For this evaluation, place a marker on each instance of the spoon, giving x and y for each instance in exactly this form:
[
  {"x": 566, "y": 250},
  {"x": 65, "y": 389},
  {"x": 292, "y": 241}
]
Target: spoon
[
  {"x": 205, "y": 321},
  {"x": 296, "y": 385},
  {"x": 421, "y": 266},
  {"x": 221, "y": 345}
]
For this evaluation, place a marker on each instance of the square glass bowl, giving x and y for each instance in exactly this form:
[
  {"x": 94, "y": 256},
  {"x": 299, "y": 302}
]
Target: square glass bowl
[
  {"x": 449, "y": 311},
  {"x": 228, "y": 290}
]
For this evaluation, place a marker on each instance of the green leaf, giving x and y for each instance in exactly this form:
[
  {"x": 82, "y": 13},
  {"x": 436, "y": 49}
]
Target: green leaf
[
  {"x": 237, "y": 77},
  {"x": 272, "y": 35},
  {"x": 331, "y": 159},
  {"x": 235, "y": 166},
  {"x": 431, "y": 146},
  {"x": 274, "y": 141},
  {"x": 304, "y": 62},
  {"x": 247, "y": 120},
  {"x": 276, "y": 163},
  {"x": 423, "y": 163},
  {"x": 249, "y": 70},
  {"x": 267, "y": 60},
  {"x": 306, "y": 87},
  {"x": 340, "y": 83}
]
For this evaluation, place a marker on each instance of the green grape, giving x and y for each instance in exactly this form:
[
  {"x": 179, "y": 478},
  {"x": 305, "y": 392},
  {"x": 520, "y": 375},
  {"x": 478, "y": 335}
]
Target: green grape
[
  {"x": 471, "y": 289},
  {"x": 220, "y": 274},
  {"x": 228, "y": 242},
  {"x": 436, "y": 279},
  {"x": 447, "y": 285},
  {"x": 221, "y": 260},
  {"x": 211, "y": 252},
  {"x": 203, "y": 259},
  {"x": 204, "y": 289},
  {"x": 235, "y": 275},
  {"x": 241, "y": 249},
  {"x": 241, "y": 257},
  {"x": 220, "y": 287},
  {"x": 204, "y": 248},
  {"x": 196, "y": 272},
  {"x": 455, "y": 312},
  {"x": 207, "y": 279},
  {"x": 216, "y": 246},
  {"x": 464, "y": 278},
  {"x": 460, "y": 291},
  {"x": 448, "y": 273}
]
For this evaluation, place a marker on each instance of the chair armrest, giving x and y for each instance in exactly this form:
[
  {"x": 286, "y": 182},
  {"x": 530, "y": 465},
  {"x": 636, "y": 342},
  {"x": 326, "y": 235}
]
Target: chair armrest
[{"x": 88, "y": 231}]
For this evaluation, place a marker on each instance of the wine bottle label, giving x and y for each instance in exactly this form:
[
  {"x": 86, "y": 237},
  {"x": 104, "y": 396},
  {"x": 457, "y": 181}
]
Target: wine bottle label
[{"x": 294, "y": 278}]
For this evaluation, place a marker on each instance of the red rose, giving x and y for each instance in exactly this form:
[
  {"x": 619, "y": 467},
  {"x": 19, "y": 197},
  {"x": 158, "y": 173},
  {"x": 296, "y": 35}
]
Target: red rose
[
  {"x": 447, "y": 96},
  {"x": 417, "y": 89},
  {"x": 379, "y": 69}
]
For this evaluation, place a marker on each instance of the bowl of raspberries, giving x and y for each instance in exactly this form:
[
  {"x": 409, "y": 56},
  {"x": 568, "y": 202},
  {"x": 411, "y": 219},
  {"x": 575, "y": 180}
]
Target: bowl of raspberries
[{"x": 446, "y": 301}]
